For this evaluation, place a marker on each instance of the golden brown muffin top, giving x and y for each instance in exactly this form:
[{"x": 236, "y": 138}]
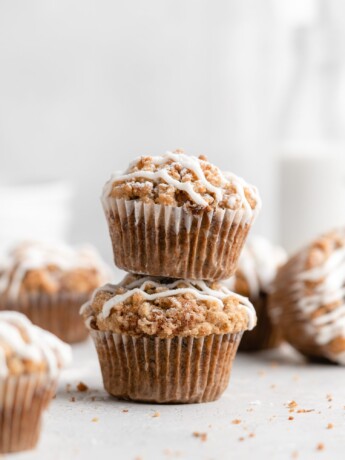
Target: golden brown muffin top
[
  {"x": 162, "y": 307},
  {"x": 176, "y": 179},
  {"x": 33, "y": 267},
  {"x": 25, "y": 348}
]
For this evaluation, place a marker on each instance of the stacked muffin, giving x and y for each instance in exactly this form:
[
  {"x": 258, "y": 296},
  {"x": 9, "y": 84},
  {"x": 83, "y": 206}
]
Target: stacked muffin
[{"x": 170, "y": 330}]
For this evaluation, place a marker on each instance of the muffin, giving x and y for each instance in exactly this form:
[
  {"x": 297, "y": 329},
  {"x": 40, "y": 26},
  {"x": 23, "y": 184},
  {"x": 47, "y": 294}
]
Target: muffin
[
  {"x": 178, "y": 216},
  {"x": 308, "y": 299},
  {"x": 30, "y": 361},
  {"x": 167, "y": 341},
  {"x": 257, "y": 269},
  {"x": 49, "y": 283}
]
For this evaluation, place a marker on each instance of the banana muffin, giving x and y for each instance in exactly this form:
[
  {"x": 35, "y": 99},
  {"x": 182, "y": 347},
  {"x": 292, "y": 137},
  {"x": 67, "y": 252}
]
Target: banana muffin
[
  {"x": 178, "y": 216},
  {"x": 49, "y": 283},
  {"x": 167, "y": 341},
  {"x": 257, "y": 269},
  {"x": 30, "y": 361},
  {"x": 308, "y": 301}
]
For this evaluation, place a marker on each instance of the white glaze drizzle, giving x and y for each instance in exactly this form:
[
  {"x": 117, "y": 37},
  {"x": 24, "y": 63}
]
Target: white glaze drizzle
[
  {"x": 259, "y": 262},
  {"x": 42, "y": 346},
  {"x": 36, "y": 255},
  {"x": 198, "y": 289},
  {"x": 191, "y": 163}
]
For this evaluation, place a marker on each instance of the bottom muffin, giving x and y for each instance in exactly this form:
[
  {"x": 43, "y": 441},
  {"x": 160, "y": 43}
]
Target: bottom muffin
[
  {"x": 30, "y": 360},
  {"x": 167, "y": 341}
]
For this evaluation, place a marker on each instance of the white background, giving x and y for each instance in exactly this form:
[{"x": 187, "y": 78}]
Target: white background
[{"x": 85, "y": 86}]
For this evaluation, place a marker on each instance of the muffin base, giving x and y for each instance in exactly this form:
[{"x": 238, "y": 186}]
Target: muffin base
[
  {"x": 168, "y": 241},
  {"x": 56, "y": 313},
  {"x": 22, "y": 401},
  {"x": 265, "y": 335},
  {"x": 176, "y": 370}
]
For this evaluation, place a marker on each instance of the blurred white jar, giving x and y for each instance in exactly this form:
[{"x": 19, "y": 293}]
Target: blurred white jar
[
  {"x": 39, "y": 210},
  {"x": 312, "y": 192}
]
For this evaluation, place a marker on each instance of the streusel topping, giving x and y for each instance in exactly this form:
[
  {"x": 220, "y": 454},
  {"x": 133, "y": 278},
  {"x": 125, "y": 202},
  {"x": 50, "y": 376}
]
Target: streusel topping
[
  {"x": 25, "y": 348},
  {"x": 166, "y": 308},
  {"x": 177, "y": 179},
  {"x": 33, "y": 267}
]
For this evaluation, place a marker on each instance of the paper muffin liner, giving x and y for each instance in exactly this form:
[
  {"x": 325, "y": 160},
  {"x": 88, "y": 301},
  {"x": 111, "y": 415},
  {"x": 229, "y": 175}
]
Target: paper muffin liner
[
  {"x": 23, "y": 398},
  {"x": 175, "y": 370},
  {"x": 57, "y": 313},
  {"x": 168, "y": 241},
  {"x": 265, "y": 335}
]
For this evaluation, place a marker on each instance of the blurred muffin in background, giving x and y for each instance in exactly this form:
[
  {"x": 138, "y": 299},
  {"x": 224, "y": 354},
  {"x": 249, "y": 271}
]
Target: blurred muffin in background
[
  {"x": 165, "y": 340},
  {"x": 30, "y": 363},
  {"x": 49, "y": 283},
  {"x": 308, "y": 300},
  {"x": 257, "y": 269}
]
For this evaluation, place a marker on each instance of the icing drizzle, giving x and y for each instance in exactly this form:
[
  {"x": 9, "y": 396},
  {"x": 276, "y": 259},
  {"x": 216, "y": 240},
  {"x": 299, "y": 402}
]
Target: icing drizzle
[
  {"x": 42, "y": 346},
  {"x": 198, "y": 289},
  {"x": 191, "y": 163}
]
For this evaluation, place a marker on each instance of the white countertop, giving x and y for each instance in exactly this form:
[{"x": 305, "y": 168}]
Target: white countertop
[{"x": 98, "y": 426}]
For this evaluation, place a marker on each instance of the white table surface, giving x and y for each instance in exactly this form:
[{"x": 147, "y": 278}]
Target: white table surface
[{"x": 95, "y": 426}]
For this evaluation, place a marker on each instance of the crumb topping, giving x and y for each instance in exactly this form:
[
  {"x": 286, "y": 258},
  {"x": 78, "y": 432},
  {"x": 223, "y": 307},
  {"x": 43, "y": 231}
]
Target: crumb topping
[
  {"x": 33, "y": 267},
  {"x": 167, "y": 308},
  {"x": 25, "y": 348},
  {"x": 177, "y": 179}
]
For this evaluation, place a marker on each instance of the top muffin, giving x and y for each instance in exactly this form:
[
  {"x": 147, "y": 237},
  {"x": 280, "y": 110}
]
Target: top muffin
[
  {"x": 179, "y": 180},
  {"x": 33, "y": 267}
]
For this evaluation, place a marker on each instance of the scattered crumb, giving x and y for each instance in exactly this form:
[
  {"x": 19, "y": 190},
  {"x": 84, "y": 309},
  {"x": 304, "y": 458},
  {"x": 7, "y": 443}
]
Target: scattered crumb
[
  {"x": 252, "y": 435},
  {"x": 125, "y": 411},
  {"x": 250, "y": 409},
  {"x": 236, "y": 421},
  {"x": 320, "y": 446},
  {"x": 294, "y": 454},
  {"x": 68, "y": 387},
  {"x": 261, "y": 373},
  {"x": 274, "y": 364},
  {"x": 291, "y": 418},
  {"x": 72, "y": 399},
  {"x": 330, "y": 426},
  {"x": 291, "y": 406},
  {"x": 156, "y": 414},
  {"x": 305, "y": 411},
  {"x": 329, "y": 397},
  {"x": 93, "y": 398},
  {"x": 95, "y": 419},
  {"x": 82, "y": 387},
  {"x": 241, "y": 438},
  {"x": 273, "y": 386},
  {"x": 201, "y": 436}
]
